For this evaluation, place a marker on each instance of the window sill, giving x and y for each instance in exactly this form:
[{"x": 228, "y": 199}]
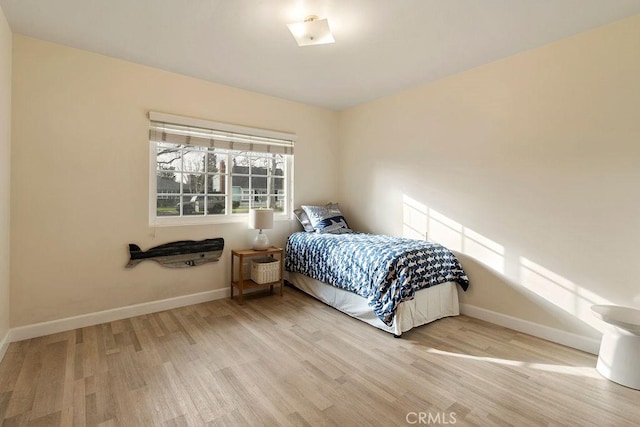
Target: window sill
[{"x": 207, "y": 220}]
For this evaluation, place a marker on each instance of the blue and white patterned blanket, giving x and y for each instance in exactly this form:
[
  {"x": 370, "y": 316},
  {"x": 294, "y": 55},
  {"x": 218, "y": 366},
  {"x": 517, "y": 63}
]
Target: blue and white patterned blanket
[{"x": 385, "y": 270}]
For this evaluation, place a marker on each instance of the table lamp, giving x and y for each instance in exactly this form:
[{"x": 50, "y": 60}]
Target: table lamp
[{"x": 261, "y": 219}]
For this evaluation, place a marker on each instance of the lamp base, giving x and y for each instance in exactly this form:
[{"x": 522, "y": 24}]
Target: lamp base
[{"x": 261, "y": 242}]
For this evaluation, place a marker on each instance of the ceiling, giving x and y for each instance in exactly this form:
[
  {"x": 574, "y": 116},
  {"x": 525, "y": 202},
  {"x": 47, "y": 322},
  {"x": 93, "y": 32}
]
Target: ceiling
[{"x": 382, "y": 46}]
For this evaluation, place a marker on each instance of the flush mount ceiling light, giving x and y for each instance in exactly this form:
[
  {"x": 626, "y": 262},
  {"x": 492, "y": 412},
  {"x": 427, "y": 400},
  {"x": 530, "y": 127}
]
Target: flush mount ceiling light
[{"x": 312, "y": 31}]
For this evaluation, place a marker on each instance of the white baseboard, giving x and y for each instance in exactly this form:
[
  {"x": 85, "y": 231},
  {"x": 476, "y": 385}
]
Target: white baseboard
[
  {"x": 580, "y": 342},
  {"x": 4, "y": 344},
  {"x": 90, "y": 319}
]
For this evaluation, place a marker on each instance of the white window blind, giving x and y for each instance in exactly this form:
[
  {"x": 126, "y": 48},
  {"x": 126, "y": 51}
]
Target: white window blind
[
  {"x": 187, "y": 131},
  {"x": 203, "y": 171}
]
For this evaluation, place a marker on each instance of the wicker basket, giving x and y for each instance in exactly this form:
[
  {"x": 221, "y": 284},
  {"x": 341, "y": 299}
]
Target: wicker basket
[{"x": 265, "y": 270}]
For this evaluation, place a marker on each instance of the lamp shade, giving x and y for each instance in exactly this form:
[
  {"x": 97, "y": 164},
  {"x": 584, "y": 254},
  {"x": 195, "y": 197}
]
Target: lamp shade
[{"x": 261, "y": 219}]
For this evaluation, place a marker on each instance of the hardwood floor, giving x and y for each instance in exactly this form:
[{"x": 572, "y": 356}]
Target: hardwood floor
[{"x": 295, "y": 361}]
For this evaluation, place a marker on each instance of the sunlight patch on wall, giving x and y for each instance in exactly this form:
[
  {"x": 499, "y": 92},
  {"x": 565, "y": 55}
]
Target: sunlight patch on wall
[
  {"x": 561, "y": 292},
  {"x": 414, "y": 221},
  {"x": 483, "y": 249},
  {"x": 445, "y": 231},
  {"x": 420, "y": 222}
]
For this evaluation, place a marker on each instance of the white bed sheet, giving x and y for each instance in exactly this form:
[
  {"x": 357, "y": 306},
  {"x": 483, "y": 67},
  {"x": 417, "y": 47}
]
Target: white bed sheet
[{"x": 428, "y": 305}]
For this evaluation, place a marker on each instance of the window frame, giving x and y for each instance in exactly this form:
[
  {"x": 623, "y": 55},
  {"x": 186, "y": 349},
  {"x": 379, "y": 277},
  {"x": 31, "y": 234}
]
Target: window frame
[{"x": 228, "y": 216}]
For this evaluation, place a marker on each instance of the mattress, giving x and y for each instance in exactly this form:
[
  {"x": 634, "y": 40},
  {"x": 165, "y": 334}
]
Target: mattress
[{"x": 428, "y": 304}]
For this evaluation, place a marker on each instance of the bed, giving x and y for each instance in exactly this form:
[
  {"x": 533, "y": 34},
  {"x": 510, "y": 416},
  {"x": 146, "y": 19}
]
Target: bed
[{"x": 394, "y": 284}]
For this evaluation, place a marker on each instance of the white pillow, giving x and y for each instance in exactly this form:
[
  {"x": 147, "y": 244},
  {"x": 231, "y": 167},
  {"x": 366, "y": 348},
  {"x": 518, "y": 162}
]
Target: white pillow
[{"x": 304, "y": 219}]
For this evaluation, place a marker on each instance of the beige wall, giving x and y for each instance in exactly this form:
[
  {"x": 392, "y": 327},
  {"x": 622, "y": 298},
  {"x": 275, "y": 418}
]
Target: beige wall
[
  {"x": 80, "y": 177},
  {"x": 5, "y": 172},
  {"x": 529, "y": 167}
]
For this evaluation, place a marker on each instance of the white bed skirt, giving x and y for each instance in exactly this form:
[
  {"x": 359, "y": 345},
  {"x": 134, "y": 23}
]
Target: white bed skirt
[{"x": 428, "y": 305}]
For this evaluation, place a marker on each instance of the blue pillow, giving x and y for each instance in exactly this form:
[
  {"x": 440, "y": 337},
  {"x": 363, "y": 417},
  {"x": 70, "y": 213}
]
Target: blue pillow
[{"x": 327, "y": 219}]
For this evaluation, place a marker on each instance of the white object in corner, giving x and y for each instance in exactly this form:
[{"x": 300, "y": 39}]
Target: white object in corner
[
  {"x": 579, "y": 342},
  {"x": 620, "y": 347}
]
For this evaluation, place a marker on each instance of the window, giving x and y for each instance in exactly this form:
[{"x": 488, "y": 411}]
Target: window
[{"x": 204, "y": 171}]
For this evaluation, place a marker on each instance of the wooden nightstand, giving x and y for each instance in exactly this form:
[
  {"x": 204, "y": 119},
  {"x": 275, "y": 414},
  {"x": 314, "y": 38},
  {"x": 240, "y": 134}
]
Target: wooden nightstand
[{"x": 243, "y": 283}]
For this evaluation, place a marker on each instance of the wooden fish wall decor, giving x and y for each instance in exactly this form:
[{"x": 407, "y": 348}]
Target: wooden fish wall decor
[{"x": 184, "y": 253}]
